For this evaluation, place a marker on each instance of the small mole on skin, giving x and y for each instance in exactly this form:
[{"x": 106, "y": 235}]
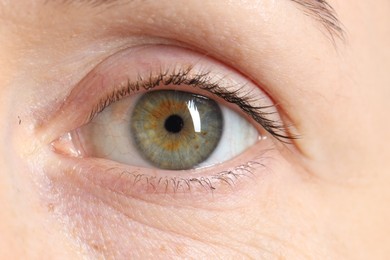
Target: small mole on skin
[
  {"x": 50, "y": 207},
  {"x": 163, "y": 249},
  {"x": 20, "y": 120},
  {"x": 180, "y": 250},
  {"x": 96, "y": 247}
]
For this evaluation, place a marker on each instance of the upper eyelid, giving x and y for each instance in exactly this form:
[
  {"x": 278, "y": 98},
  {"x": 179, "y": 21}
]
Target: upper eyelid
[{"x": 103, "y": 79}]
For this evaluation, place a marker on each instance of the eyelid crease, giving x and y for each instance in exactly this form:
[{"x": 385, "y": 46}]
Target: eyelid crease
[{"x": 203, "y": 81}]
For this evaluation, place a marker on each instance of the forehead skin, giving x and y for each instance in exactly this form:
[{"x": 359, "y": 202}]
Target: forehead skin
[{"x": 335, "y": 93}]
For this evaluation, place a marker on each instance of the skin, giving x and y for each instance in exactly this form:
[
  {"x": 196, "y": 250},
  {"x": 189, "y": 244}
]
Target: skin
[{"x": 324, "y": 196}]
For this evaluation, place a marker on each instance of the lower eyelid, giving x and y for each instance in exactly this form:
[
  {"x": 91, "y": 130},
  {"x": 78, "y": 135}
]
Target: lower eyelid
[{"x": 216, "y": 181}]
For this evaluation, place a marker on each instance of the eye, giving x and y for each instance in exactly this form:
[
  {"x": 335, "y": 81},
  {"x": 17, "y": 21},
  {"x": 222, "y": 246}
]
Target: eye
[
  {"x": 167, "y": 129},
  {"x": 157, "y": 116}
]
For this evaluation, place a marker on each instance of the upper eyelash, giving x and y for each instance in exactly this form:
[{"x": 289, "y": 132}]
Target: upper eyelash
[{"x": 202, "y": 81}]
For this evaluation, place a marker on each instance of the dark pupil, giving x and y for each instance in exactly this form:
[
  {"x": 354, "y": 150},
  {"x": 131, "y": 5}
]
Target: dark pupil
[{"x": 174, "y": 124}]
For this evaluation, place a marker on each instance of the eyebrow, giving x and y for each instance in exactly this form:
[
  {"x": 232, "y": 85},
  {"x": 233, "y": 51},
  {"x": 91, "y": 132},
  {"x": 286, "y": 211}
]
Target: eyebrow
[
  {"x": 320, "y": 10},
  {"x": 324, "y": 13}
]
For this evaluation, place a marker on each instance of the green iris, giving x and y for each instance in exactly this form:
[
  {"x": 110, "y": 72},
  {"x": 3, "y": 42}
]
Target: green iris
[{"x": 176, "y": 130}]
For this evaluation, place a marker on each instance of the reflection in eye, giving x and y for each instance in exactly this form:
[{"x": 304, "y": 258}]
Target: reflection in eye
[
  {"x": 167, "y": 129},
  {"x": 176, "y": 130}
]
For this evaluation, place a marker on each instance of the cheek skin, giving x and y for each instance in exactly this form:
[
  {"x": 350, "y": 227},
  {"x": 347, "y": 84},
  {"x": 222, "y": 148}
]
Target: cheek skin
[
  {"x": 246, "y": 222},
  {"x": 266, "y": 215},
  {"x": 24, "y": 219},
  {"x": 279, "y": 218}
]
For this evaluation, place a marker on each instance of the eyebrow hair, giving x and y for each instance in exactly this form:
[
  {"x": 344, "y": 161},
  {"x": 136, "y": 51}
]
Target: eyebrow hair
[
  {"x": 324, "y": 13},
  {"x": 319, "y": 10}
]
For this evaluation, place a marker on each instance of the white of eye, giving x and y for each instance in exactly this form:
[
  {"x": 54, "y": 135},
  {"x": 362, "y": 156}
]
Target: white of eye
[
  {"x": 237, "y": 136},
  {"x": 109, "y": 136}
]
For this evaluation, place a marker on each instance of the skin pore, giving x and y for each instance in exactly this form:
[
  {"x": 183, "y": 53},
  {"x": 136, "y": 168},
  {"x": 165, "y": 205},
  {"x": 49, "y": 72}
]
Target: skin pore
[{"x": 321, "y": 195}]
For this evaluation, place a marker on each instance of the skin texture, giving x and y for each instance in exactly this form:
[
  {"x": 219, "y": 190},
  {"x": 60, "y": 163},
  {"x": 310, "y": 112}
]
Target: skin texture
[{"x": 324, "y": 196}]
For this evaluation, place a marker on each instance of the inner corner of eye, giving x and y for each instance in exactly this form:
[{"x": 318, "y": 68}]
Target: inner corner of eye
[{"x": 67, "y": 144}]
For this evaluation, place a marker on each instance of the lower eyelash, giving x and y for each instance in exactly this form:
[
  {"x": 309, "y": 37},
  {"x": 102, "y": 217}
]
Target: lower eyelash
[
  {"x": 134, "y": 183},
  {"x": 89, "y": 173},
  {"x": 209, "y": 184}
]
